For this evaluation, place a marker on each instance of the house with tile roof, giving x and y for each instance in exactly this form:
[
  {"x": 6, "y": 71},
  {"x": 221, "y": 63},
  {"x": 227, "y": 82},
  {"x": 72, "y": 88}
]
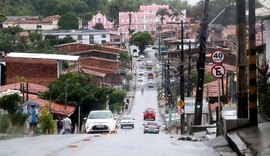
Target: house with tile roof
[{"x": 30, "y": 91}]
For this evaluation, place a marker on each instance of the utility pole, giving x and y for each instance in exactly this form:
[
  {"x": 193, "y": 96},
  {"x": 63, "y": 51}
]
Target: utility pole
[
  {"x": 168, "y": 89},
  {"x": 201, "y": 65},
  {"x": 182, "y": 80},
  {"x": 189, "y": 70},
  {"x": 242, "y": 96},
  {"x": 252, "y": 91}
]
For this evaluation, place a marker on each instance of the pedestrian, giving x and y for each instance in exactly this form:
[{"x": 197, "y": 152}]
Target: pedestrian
[
  {"x": 67, "y": 125},
  {"x": 59, "y": 125},
  {"x": 33, "y": 118}
]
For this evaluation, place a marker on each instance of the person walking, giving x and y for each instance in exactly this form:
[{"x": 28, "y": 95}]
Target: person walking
[
  {"x": 33, "y": 118},
  {"x": 59, "y": 125},
  {"x": 67, "y": 125}
]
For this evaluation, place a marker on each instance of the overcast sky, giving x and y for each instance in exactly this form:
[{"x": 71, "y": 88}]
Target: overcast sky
[{"x": 192, "y": 2}]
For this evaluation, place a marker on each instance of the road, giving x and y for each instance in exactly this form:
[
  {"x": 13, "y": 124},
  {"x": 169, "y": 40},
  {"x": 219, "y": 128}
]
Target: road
[{"x": 126, "y": 142}]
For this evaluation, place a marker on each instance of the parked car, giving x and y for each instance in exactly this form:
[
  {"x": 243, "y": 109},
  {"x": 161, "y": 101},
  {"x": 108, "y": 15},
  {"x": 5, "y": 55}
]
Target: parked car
[
  {"x": 151, "y": 127},
  {"x": 127, "y": 121},
  {"x": 149, "y": 113},
  {"x": 100, "y": 121}
]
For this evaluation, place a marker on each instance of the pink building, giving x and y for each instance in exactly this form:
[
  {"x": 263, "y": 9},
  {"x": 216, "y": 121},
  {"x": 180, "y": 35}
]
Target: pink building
[
  {"x": 143, "y": 20},
  {"x": 99, "y": 18}
]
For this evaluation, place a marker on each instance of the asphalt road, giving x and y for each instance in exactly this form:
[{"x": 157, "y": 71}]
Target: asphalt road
[{"x": 126, "y": 142}]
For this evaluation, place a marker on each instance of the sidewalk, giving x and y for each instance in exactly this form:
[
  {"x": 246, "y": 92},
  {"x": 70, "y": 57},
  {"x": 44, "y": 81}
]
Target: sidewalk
[{"x": 251, "y": 141}]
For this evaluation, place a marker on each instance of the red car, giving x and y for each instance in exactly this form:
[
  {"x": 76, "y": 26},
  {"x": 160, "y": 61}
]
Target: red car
[{"x": 149, "y": 113}]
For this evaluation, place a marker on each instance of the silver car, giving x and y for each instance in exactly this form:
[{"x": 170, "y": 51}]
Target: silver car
[
  {"x": 151, "y": 127},
  {"x": 127, "y": 121}
]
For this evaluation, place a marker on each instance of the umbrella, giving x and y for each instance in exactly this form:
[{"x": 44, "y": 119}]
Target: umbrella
[{"x": 31, "y": 103}]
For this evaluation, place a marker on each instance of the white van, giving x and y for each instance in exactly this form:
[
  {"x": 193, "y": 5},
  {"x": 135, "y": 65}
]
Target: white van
[{"x": 100, "y": 121}]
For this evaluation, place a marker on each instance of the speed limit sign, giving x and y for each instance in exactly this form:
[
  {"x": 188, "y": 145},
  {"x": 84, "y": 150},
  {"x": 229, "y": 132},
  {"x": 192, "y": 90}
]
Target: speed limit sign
[{"x": 218, "y": 56}]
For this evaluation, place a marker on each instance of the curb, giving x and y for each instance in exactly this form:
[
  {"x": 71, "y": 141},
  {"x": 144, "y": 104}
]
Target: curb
[{"x": 238, "y": 145}]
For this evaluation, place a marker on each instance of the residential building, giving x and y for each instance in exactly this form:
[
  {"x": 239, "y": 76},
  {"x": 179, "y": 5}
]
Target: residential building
[
  {"x": 100, "y": 18},
  {"x": 82, "y": 36},
  {"x": 32, "y": 23},
  {"x": 145, "y": 19},
  {"x": 36, "y": 68}
]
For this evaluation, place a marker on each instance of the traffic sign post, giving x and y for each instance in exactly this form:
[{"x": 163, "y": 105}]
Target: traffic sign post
[{"x": 218, "y": 71}]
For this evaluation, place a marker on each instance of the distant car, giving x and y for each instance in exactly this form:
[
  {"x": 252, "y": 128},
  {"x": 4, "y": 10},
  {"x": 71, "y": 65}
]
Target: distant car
[
  {"x": 135, "y": 53},
  {"x": 154, "y": 47},
  {"x": 127, "y": 121},
  {"x": 149, "y": 65},
  {"x": 100, "y": 121},
  {"x": 149, "y": 113},
  {"x": 151, "y": 83},
  {"x": 150, "y": 76},
  {"x": 140, "y": 80},
  {"x": 151, "y": 127},
  {"x": 140, "y": 74}
]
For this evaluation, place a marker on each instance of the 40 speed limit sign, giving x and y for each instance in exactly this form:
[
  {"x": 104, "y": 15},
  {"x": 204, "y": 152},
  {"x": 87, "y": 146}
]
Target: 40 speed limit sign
[{"x": 217, "y": 56}]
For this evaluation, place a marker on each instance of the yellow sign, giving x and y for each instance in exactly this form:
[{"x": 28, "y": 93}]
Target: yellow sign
[{"x": 180, "y": 103}]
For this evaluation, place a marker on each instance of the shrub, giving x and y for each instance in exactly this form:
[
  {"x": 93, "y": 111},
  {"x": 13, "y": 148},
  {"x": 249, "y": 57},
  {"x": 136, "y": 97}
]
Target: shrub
[
  {"x": 46, "y": 122},
  {"x": 18, "y": 119},
  {"x": 4, "y": 123}
]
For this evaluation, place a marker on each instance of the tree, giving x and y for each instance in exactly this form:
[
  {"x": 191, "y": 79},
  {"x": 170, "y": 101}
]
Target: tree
[
  {"x": 10, "y": 101},
  {"x": 2, "y": 19},
  {"x": 99, "y": 26},
  {"x": 141, "y": 39},
  {"x": 162, "y": 12},
  {"x": 68, "y": 21},
  {"x": 264, "y": 87}
]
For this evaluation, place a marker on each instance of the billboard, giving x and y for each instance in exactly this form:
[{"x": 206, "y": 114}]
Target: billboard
[{"x": 190, "y": 105}]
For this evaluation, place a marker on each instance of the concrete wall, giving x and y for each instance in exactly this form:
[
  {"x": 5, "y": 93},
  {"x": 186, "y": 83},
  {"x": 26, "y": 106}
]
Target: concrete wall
[{"x": 267, "y": 28}]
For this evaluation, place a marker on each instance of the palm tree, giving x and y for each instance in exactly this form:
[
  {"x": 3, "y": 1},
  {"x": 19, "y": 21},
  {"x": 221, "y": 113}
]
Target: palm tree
[{"x": 162, "y": 12}]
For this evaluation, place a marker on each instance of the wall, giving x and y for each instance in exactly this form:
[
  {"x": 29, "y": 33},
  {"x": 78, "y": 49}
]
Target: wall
[
  {"x": 39, "y": 71},
  {"x": 267, "y": 28}
]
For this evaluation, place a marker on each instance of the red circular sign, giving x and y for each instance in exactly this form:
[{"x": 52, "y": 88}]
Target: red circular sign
[
  {"x": 217, "y": 56},
  {"x": 218, "y": 71}
]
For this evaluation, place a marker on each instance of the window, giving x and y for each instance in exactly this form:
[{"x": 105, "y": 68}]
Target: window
[
  {"x": 91, "y": 39},
  {"x": 103, "y": 35},
  {"x": 103, "y": 41},
  {"x": 79, "y": 37},
  {"x": 99, "y": 20},
  {"x": 39, "y": 26}
]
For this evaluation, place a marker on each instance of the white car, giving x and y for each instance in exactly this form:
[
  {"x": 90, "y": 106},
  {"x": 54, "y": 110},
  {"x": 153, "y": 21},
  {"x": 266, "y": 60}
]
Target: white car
[
  {"x": 151, "y": 83},
  {"x": 140, "y": 74},
  {"x": 100, "y": 121},
  {"x": 127, "y": 121}
]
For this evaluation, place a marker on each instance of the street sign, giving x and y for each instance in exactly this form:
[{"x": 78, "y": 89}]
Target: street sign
[
  {"x": 217, "y": 56},
  {"x": 180, "y": 103},
  {"x": 218, "y": 71}
]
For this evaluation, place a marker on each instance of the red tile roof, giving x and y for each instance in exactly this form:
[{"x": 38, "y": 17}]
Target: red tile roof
[
  {"x": 56, "y": 108},
  {"x": 32, "y": 87},
  {"x": 211, "y": 89}
]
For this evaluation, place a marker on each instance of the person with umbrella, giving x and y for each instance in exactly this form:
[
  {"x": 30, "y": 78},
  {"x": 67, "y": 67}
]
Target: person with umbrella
[{"x": 33, "y": 118}]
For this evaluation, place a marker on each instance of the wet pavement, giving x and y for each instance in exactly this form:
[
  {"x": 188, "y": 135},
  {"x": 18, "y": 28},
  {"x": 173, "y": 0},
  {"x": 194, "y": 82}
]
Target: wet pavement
[{"x": 252, "y": 140}]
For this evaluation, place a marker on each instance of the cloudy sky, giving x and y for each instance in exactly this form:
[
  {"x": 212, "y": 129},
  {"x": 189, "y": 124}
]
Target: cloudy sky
[{"x": 193, "y": 2}]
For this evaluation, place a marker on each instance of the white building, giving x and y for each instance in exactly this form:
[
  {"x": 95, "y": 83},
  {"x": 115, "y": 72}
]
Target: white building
[
  {"x": 32, "y": 23},
  {"x": 82, "y": 36},
  {"x": 264, "y": 12}
]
